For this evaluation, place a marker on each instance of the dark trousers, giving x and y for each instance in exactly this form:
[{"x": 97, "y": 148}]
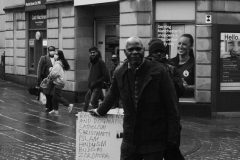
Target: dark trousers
[
  {"x": 49, "y": 102},
  {"x": 58, "y": 98},
  {"x": 92, "y": 97},
  {"x": 173, "y": 154},
  {"x": 147, "y": 156},
  {"x": 129, "y": 152}
]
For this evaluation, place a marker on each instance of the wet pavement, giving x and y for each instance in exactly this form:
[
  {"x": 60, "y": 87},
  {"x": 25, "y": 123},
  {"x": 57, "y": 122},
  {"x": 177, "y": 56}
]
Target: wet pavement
[{"x": 27, "y": 132}]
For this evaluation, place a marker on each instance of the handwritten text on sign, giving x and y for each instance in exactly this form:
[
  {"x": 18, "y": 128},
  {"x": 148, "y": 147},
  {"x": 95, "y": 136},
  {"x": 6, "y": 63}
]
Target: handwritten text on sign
[{"x": 98, "y": 138}]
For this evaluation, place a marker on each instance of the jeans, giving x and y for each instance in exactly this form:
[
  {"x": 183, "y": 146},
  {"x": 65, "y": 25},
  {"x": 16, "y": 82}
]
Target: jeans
[
  {"x": 57, "y": 98},
  {"x": 92, "y": 97}
]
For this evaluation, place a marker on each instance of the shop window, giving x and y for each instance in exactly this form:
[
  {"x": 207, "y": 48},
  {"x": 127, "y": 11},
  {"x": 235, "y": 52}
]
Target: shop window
[
  {"x": 37, "y": 35},
  {"x": 172, "y": 20},
  {"x": 170, "y": 34}
]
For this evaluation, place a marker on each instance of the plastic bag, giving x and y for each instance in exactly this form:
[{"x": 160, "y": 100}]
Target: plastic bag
[{"x": 42, "y": 98}]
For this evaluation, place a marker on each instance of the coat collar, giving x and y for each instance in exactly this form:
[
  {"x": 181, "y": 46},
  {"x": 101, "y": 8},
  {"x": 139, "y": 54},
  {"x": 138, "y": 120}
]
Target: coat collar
[{"x": 146, "y": 70}]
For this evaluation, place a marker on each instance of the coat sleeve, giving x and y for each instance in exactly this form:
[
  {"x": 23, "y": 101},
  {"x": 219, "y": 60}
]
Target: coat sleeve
[
  {"x": 171, "y": 107},
  {"x": 40, "y": 69},
  {"x": 104, "y": 75},
  {"x": 55, "y": 72},
  {"x": 110, "y": 98}
]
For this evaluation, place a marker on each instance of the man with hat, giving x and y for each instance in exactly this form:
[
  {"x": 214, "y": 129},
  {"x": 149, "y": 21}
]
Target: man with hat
[
  {"x": 157, "y": 52},
  {"x": 45, "y": 63}
]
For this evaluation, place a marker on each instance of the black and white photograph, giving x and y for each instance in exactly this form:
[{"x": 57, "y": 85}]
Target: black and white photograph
[{"x": 120, "y": 79}]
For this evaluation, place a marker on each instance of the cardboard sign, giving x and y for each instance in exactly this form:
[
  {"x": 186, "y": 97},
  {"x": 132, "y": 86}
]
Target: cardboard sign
[{"x": 98, "y": 138}]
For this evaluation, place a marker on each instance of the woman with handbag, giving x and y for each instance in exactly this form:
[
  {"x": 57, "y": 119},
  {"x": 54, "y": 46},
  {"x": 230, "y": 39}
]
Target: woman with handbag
[{"x": 56, "y": 75}]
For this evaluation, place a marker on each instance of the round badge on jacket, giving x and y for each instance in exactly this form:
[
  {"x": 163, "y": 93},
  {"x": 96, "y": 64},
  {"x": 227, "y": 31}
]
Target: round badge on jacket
[{"x": 185, "y": 73}]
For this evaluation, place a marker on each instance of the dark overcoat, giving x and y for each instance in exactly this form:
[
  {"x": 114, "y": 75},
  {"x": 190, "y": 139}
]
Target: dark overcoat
[
  {"x": 151, "y": 117},
  {"x": 43, "y": 68}
]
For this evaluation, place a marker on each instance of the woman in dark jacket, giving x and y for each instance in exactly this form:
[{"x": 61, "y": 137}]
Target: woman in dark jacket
[{"x": 185, "y": 63}]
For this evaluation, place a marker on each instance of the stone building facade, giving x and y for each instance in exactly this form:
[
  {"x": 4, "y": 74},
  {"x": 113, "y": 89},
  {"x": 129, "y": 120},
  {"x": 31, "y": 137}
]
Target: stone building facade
[{"x": 76, "y": 25}]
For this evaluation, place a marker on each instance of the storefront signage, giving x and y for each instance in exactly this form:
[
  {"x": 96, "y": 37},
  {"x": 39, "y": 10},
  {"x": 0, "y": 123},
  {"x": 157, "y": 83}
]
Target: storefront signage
[
  {"x": 98, "y": 138},
  {"x": 37, "y": 20},
  {"x": 34, "y": 5},
  {"x": 44, "y": 42},
  {"x": 87, "y": 2},
  {"x": 167, "y": 34},
  {"x": 230, "y": 62}
]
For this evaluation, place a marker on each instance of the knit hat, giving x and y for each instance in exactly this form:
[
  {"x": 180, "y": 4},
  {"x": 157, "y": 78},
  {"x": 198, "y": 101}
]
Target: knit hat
[
  {"x": 51, "y": 48},
  {"x": 156, "y": 45}
]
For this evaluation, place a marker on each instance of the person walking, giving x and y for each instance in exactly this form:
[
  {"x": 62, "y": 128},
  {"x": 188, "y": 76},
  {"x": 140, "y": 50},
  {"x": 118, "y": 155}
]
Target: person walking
[
  {"x": 157, "y": 52},
  {"x": 57, "y": 76},
  {"x": 44, "y": 64},
  {"x": 151, "y": 119},
  {"x": 98, "y": 77}
]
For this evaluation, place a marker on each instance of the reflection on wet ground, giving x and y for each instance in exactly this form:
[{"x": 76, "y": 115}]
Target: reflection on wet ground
[{"x": 27, "y": 132}]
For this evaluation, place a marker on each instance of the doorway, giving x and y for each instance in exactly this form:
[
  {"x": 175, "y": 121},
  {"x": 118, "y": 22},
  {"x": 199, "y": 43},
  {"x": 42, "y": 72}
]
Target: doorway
[{"x": 107, "y": 40}]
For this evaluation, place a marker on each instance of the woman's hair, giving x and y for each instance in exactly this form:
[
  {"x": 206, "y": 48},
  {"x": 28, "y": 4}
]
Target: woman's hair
[
  {"x": 63, "y": 60},
  {"x": 190, "y": 37}
]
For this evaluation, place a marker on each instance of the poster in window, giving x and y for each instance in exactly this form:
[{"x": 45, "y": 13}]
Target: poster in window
[
  {"x": 169, "y": 33},
  {"x": 230, "y": 62},
  {"x": 38, "y": 20}
]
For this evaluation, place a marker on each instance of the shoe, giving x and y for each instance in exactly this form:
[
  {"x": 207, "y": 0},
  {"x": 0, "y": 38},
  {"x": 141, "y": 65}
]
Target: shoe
[
  {"x": 70, "y": 107},
  {"x": 54, "y": 112},
  {"x": 48, "y": 110}
]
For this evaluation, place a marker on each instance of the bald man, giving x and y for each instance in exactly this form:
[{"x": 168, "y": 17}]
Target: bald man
[{"x": 151, "y": 118}]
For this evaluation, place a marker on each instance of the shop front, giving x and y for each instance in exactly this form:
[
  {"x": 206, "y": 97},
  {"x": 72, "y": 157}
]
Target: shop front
[{"x": 97, "y": 25}]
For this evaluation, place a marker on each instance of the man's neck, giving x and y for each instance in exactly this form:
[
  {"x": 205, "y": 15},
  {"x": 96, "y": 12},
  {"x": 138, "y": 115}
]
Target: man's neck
[{"x": 133, "y": 67}]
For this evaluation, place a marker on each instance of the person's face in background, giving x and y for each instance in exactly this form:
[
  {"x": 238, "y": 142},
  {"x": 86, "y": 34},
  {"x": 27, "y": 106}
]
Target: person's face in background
[
  {"x": 238, "y": 47},
  {"x": 51, "y": 53},
  {"x": 92, "y": 54},
  {"x": 184, "y": 46},
  {"x": 230, "y": 46},
  {"x": 56, "y": 56},
  {"x": 134, "y": 52}
]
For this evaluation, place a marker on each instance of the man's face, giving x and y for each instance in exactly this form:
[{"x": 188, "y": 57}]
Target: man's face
[
  {"x": 51, "y": 53},
  {"x": 92, "y": 54},
  {"x": 134, "y": 52}
]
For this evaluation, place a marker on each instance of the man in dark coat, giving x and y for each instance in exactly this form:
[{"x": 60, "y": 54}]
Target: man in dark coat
[
  {"x": 151, "y": 118},
  {"x": 98, "y": 77},
  {"x": 44, "y": 64},
  {"x": 157, "y": 52}
]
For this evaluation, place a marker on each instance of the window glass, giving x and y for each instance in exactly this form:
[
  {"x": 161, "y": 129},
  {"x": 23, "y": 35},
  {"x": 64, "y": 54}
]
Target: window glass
[
  {"x": 178, "y": 44},
  {"x": 36, "y": 33}
]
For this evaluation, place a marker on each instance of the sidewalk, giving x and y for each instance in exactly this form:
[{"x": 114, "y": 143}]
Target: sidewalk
[{"x": 201, "y": 138}]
